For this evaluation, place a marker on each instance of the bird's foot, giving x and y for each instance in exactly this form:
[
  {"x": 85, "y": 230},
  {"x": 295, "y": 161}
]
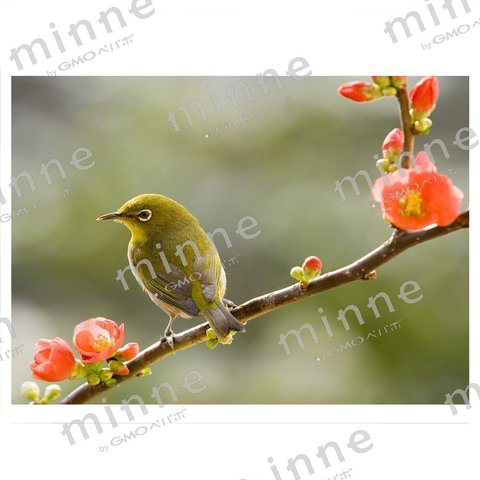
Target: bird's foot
[
  {"x": 168, "y": 338},
  {"x": 229, "y": 304}
]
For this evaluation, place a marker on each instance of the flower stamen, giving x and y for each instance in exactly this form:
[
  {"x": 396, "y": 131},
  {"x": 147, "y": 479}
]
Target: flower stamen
[{"x": 412, "y": 205}]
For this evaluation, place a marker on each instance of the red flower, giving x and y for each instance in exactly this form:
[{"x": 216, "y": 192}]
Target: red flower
[
  {"x": 127, "y": 352},
  {"x": 97, "y": 339},
  {"x": 414, "y": 198},
  {"x": 360, "y": 91},
  {"x": 424, "y": 95},
  {"x": 53, "y": 361},
  {"x": 393, "y": 144}
]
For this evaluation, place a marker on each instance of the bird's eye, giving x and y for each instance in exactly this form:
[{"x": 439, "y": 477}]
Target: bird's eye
[{"x": 145, "y": 215}]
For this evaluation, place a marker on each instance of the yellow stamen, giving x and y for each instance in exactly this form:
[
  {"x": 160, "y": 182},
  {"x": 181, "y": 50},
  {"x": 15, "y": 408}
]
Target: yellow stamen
[
  {"x": 102, "y": 343},
  {"x": 412, "y": 205}
]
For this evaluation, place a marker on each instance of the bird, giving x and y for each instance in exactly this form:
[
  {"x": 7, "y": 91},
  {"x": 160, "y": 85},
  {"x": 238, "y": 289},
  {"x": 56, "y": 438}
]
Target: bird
[{"x": 176, "y": 263}]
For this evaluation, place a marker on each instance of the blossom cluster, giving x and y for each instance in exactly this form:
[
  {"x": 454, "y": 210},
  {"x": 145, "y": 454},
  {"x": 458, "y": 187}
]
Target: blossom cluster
[
  {"x": 96, "y": 340},
  {"x": 412, "y": 194}
]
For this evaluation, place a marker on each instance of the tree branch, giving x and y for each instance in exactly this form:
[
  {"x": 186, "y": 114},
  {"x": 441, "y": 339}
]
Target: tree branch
[
  {"x": 256, "y": 307},
  {"x": 409, "y": 137}
]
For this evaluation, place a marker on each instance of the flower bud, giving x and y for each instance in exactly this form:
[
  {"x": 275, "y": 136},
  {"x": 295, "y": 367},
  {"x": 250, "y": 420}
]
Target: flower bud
[
  {"x": 423, "y": 125},
  {"x": 382, "y": 81},
  {"x": 115, "y": 365},
  {"x": 311, "y": 267},
  {"x": 424, "y": 96},
  {"x": 127, "y": 352},
  {"x": 79, "y": 370},
  {"x": 297, "y": 274},
  {"x": 30, "y": 391},
  {"x": 389, "y": 92},
  {"x": 52, "y": 392},
  {"x": 212, "y": 343},
  {"x": 105, "y": 374},
  {"x": 398, "y": 81},
  {"x": 360, "y": 91},
  {"x": 393, "y": 144},
  {"x": 123, "y": 370},
  {"x": 383, "y": 164},
  {"x": 93, "y": 379}
]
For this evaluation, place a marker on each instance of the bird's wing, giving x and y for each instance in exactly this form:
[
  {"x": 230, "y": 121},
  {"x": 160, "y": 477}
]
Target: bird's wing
[
  {"x": 211, "y": 279},
  {"x": 172, "y": 287}
]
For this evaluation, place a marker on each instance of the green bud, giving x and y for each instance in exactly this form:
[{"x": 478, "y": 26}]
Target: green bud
[
  {"x": 212, "y": 343},
  {"x": 383, "y": 164},
  {"x": 79, "y": 370},
  {"x": 211, "y": 333},
  {"x": 423, "y": 126},
  {"x": 30, "y": 391},
  {"x": 389, "y": 92},
  {"x": 382, "y": 81},
  {"x": 94, "y": 367},
  {"x": 93, "y": 379},
  {"x": 52, "y": 392},
  {"x": 297, "y": 274},
  {"x": 105, "y": 374},
  {"x": 399, "y": 81},
  {"x": 110, "y": 383},
  {"x": 115, "y": 365},
  {"x": 416, "y": 115},
  {"x": 310, "y": 273},
  {"x": 144, "y": 372}
]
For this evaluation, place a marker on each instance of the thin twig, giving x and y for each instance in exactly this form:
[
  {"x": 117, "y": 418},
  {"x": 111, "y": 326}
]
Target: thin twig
[
  {"x": 256, "y": 307},
  {"x": 404, "y": 104}
]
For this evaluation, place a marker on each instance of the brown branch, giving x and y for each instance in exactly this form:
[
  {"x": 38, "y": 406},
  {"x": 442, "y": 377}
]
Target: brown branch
[
  {"x": 409, "y": 140},
  {"x": 358, "y": 270}
]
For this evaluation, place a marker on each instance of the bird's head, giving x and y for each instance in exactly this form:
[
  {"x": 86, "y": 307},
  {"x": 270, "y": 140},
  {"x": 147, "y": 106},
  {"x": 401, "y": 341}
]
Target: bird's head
[{"x": 145, "y": 214}]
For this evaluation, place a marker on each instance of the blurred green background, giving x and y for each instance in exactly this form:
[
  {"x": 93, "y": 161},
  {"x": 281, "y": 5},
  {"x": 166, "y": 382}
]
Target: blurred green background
[{"x": 274, "y": 157}]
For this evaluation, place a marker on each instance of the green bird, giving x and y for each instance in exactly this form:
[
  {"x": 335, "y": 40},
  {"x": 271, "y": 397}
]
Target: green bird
[{"x": 175, "y": 262}]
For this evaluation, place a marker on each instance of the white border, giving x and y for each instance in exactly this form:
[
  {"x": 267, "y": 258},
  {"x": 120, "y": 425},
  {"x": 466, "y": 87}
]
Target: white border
[{"x": 246, "y": 38}]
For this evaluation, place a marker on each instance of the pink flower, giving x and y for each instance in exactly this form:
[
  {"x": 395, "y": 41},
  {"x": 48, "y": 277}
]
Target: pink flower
[
  {"x": 414, "y": 198},
  {"x": 97, "y": 339},
  {"x": 127, "y": 352},
  {"x": 393, "y": 144},
  {"x": 424, "y": 95},
  {"x": 360, "y": 91},
  {"x": 53, "y": 361}
]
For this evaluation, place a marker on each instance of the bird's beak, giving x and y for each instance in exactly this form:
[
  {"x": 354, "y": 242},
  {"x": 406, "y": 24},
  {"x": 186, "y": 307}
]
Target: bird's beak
[{"x": 110, "y": 216}]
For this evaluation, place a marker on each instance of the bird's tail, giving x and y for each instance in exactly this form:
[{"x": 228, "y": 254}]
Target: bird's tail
[{"x": 222, "y": 321}]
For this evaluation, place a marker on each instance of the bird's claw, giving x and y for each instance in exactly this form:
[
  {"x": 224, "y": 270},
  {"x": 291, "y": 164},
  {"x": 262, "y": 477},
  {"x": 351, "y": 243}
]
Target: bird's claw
[
  {"x": 229, "y": 304},
  {"x": 169, "y": 338}
]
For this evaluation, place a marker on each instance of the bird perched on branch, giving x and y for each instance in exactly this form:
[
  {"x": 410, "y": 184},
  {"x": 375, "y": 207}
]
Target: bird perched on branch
[{"x": 175, "y": 262}]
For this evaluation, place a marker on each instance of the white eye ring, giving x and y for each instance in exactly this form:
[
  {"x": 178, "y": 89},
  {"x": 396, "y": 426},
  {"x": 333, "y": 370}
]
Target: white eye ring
[{"x": 144, "y": 215}]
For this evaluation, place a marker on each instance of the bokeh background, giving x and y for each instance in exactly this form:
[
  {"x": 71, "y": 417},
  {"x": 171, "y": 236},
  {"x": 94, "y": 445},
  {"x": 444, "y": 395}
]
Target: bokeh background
[{"x": 276, "y": 158}]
